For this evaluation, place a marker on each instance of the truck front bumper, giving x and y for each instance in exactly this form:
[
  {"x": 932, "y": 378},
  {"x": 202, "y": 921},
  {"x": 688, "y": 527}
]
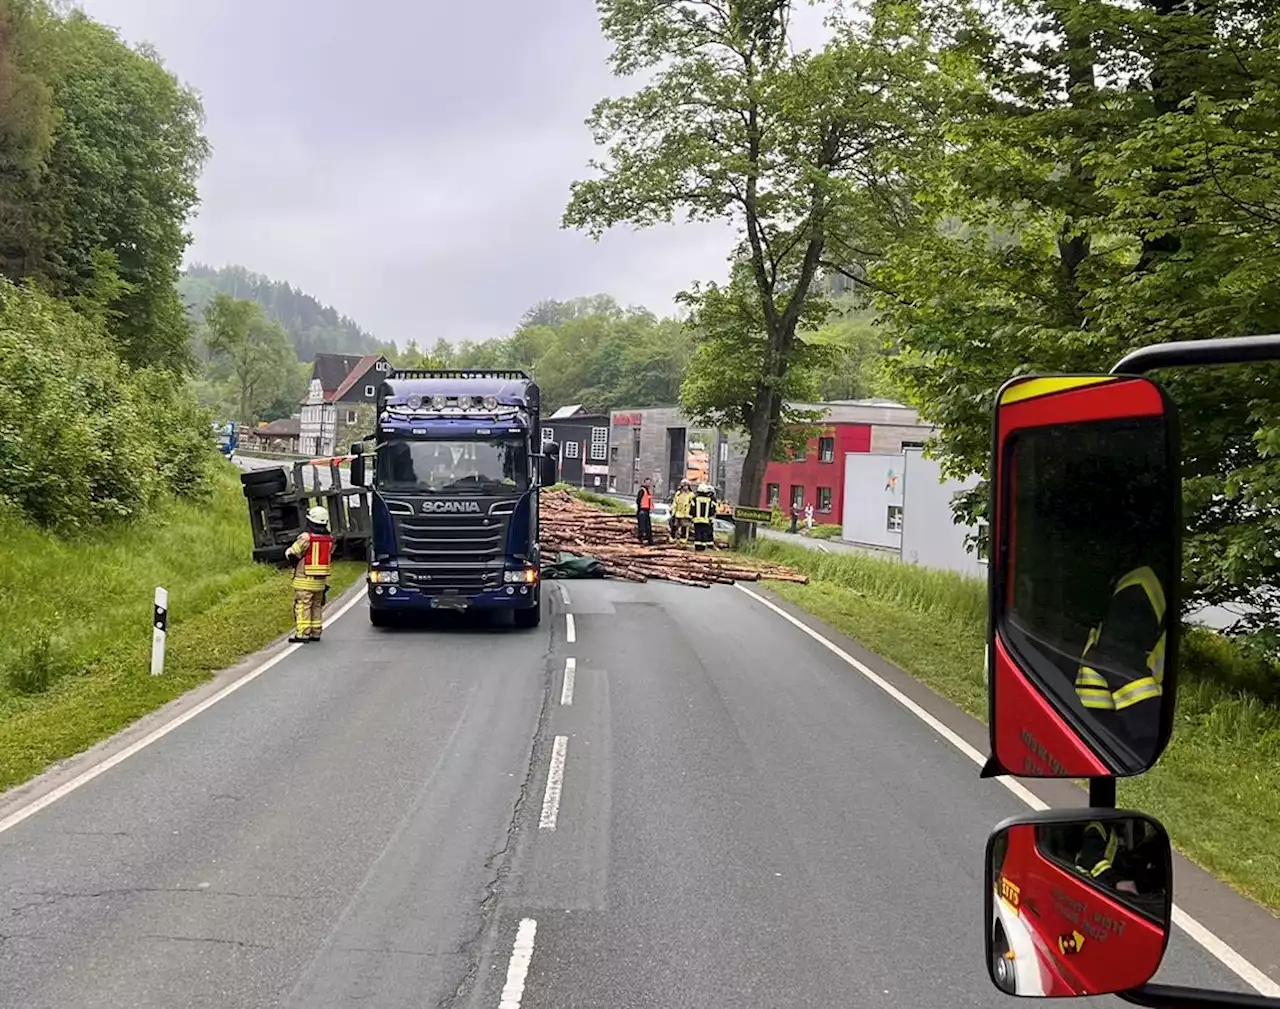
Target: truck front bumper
[{"x": 408, "y": 598}]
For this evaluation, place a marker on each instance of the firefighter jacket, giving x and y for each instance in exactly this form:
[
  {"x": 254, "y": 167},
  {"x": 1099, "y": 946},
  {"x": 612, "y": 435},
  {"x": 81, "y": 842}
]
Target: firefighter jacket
[
  {"x": 682, "y": 506},
  {"x": 314, "y": 554},
  {"x": 704, "y": 509},
  {"x": 1122, "y": 665},
  {"x": 1098, "y": 854}
]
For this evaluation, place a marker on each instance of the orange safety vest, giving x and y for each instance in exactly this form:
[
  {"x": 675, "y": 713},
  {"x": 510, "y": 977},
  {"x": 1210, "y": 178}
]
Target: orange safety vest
[
  {"x": 318, "y": 560},
  {"x": 646, "y": 499}
]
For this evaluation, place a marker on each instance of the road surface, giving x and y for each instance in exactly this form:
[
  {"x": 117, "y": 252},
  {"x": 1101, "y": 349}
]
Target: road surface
[{"x": 717, "y": 811}]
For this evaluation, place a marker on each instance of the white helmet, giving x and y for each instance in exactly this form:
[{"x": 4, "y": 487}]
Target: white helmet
[
  {"x": 318, "y": 516},
  {"x": 704, "y": 488}
]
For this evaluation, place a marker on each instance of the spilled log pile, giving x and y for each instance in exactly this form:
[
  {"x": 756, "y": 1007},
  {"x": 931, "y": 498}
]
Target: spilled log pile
[{"x": 569, "y": 525}]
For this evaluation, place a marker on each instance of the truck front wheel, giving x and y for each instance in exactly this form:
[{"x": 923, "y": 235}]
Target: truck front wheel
[
  {"x": 379, "y": 618},
  {"x": 526, "y": 619}
]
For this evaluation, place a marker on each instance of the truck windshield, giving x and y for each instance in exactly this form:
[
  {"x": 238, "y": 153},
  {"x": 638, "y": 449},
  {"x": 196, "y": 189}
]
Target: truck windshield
[{"x": 470, "y": 466}]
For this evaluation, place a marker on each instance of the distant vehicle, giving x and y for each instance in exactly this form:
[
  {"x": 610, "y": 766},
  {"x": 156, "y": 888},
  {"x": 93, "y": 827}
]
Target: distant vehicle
[
  {"x": 454, "y": 478},
  {"x": 228, "y": 437},
  {"x": 661, "y": 512}
]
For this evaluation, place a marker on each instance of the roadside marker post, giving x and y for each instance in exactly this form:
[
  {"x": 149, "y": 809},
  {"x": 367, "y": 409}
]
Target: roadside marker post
[{"x": 159, "y": 628}]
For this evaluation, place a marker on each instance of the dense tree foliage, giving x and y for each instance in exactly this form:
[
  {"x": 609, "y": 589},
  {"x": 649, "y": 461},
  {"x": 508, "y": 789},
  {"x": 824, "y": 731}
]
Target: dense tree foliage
[
  {"x": 100, "y": 149},
  {"x": 312, "y": 328},
  {"x": 803, "y": 150}
]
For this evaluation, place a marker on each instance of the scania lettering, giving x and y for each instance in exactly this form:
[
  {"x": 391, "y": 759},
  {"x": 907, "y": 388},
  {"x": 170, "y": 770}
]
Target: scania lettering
[{"x": 454, "y": 469}]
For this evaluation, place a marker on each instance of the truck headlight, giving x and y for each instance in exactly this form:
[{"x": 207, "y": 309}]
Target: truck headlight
[
  {"x": 490, "y": 403},
  {"x": 384, "y": 577},
  {"x": 525, "y": 576}
]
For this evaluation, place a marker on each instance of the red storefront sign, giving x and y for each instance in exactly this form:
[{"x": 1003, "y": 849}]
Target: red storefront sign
[{"x": 627, "y": 419}]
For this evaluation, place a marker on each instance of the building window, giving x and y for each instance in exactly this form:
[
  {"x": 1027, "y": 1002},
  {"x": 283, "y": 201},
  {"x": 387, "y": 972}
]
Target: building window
[
  {"x": 802, "y": 453},
  {"x": 571, "y": 450},
  {"x": 369, "y": 391},
  {"x": 613, "y": 451},
  {"x": 548, "y": 435},
  {"x": 895, "y": 518},
  {"x": 351, "y": 416},
  {"x": 826, "y": 450},
  {"x": 797, "y": 496},
  {"x": 912, "y": 444},
  {"x": 824, "y": 500},
  {"x": 599, "y": 443},
  {"x": 774, "y": 494}
]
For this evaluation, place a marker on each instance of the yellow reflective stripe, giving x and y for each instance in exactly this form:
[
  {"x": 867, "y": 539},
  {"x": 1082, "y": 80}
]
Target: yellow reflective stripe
[
  {"x": 1033, "y": 388},
  {"x": 1146, "y": 578},
  {"x": 309, "y": 584},
  {"x": 1113, "y": 845},
  {"x": 1155, "y": 661},
  {"x": 1100, "y": 867},
  {"x": 1139, "y": 690},
  {"x": 1087, "y": 677},
  {"x": 1100, "y": 700}
]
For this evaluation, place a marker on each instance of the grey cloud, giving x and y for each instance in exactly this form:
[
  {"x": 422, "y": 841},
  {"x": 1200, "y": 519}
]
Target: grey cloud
[{"x": 408, "y": 162}]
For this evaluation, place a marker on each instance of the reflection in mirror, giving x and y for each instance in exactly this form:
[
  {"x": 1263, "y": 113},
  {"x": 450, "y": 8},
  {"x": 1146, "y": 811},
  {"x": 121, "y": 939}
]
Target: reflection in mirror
[
  {"x": 1090, "y": 542},
  {"x": 1079, "y": 906}
]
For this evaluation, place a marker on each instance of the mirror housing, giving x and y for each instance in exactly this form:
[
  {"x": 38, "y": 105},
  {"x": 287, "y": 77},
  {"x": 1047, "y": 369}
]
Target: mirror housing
[
  {"x": 1078, "y": 902},
  {"x": 1084, "y": 576},
  {"x": 549, "y": 465}
]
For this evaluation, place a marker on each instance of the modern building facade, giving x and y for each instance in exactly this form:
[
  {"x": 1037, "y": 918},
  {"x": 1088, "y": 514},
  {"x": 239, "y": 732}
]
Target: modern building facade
[
  {"x": 849, "y": 428},
  {"x": 664, "y": 445}
]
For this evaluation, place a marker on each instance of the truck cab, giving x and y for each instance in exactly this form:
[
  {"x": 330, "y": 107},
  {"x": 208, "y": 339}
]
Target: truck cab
[{"x": 454, "y": 479}]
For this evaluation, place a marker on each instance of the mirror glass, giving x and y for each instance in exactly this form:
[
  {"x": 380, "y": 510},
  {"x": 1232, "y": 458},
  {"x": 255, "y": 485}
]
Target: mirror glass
[
  {"x": 1079, "y": 906},
  {"x": 1089, "y": 554},
  {"x": 549, "y": 473}
]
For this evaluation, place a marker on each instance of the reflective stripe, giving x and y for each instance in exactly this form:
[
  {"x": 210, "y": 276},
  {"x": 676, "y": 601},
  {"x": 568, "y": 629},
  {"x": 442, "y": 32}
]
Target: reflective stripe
[
  {"x": 303, "y": 584},
  {"x": 1155, "y": 661},
  {"x": 1146, "y": 578},
  {"x": 1139, "y": 690},
  {"x": 1092, "y": 687}
]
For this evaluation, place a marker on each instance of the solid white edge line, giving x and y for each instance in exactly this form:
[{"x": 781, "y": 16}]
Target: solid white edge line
[
  {"x": 65, "y": 789},
  {"x": 566, "y": 693},
  {"x": 518, "y": 965},
  {"x": 555, "y": 782},
  {"x": 571, "y": 630},
  {"x": 564, "y": 593},
  {"x": 1232, "y": 960}
]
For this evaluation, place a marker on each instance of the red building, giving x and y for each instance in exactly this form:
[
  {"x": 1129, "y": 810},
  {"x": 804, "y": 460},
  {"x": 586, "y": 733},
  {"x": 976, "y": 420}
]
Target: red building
[{"x": 817, "y": 477}]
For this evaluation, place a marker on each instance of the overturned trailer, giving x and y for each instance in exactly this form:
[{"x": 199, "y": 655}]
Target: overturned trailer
[{"x": 278, "y": 500}]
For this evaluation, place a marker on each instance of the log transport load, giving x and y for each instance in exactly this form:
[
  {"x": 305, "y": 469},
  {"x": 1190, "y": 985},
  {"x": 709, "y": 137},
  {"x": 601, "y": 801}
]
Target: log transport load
[{"x": 571, "y": 526}]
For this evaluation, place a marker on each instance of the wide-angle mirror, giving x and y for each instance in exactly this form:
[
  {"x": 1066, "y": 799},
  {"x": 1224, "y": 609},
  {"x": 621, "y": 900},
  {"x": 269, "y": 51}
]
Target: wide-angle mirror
[{"x": 1079, "y": 902}]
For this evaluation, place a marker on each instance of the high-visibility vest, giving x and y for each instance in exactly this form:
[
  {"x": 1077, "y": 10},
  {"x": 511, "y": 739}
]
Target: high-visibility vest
[
  {"x": 1096, "y": 690},
  {"x": 646, "y": 499},
  {"x": 702, "y": 509},
  {"x": 315, "y": 552}
]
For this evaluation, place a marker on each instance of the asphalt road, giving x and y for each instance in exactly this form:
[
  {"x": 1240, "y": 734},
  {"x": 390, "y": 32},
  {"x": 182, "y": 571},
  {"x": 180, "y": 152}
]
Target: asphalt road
[{"x": 742, "y": 820}]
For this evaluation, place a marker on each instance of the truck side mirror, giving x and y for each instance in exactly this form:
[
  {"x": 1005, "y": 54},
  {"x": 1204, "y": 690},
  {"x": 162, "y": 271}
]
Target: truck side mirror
[
  {"x": 1077, "y": 904},
  {"x": 548, "y": 464},
  {"x": 1084, "y": 576},
  {"x": 357, "y": 465}
]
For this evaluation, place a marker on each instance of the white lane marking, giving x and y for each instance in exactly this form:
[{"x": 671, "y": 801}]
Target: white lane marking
[
  {"x": 1225, "y": 954},
  {"x": 63, "y": 790},
  {"x": 518, "y": 965},
  {"x": 566, "y": 693},
  {"x": 571, "y": 631},
  {"x": 564, "y": 592},
  {"x": 555, "y": 782}
]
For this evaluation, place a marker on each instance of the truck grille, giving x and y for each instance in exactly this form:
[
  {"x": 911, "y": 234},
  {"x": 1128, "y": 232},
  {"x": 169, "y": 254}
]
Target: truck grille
[
  {"x": 451, "y": 554},
  {"x": 451, "y": 579}
]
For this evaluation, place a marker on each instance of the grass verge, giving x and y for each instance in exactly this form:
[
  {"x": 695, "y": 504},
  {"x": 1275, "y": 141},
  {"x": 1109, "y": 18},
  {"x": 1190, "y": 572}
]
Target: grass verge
[
  {"x": 75, "y": 622},
  {"x": 1217, "y": 786}
]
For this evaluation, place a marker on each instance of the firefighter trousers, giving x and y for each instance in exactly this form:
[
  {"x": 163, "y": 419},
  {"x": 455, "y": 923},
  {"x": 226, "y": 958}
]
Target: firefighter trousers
[{"x": 308, "y": 607}]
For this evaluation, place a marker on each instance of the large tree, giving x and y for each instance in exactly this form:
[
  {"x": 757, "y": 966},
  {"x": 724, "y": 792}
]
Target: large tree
[
  {"x": 256, "y": 350},
  {"x": 802, "y": 151}
]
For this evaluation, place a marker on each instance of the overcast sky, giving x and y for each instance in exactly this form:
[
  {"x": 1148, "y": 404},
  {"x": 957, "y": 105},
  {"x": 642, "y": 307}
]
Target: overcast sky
[{"x": 408, "y": 161}]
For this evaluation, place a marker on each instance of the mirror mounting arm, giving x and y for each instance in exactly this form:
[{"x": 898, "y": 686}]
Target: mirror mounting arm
[
  {"x": 1102, "y": 793},
  {"x": 1194, "y": 353},
  {"x": 1174, "y": 996}
]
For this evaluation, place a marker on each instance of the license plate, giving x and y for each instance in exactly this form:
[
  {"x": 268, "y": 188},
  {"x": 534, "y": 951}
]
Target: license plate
[{"x": 448, "y": 603}]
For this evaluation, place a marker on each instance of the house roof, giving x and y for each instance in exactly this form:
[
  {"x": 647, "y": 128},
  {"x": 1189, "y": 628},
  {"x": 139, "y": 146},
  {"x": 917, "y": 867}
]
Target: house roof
[
  {"x": 355, "y": 375},
  {"x": 565, "y": 412},
  {"x": 289, "y": 427},
  {"x": 333, "y": 369}
]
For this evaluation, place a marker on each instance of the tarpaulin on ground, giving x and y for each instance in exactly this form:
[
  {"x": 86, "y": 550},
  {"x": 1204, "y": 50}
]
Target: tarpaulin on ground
[{"x": 572, "y": 566}]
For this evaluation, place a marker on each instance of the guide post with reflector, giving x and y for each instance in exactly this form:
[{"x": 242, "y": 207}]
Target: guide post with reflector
[{"x": 159, "y": 628}]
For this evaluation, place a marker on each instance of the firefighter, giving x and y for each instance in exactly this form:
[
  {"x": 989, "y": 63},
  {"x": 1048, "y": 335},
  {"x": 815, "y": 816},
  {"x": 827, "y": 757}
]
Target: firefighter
[
  {"x": 313, "y": 552},
  {"x": 1122, "y": 666},
  {"x": 704, "y": 514},
  {"x": 644, "y": 513},
  {"x": 1104, "y": 857},
  {"x": 682, "y": 511}
]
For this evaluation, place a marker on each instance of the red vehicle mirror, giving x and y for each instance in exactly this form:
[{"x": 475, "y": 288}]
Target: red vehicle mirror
[
  {"x": 1084, "y": 576},
  {"x": 1077, "y": 904}
]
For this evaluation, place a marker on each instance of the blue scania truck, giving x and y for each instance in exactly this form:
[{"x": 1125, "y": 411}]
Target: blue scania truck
[{"x": 453, "y": 469}]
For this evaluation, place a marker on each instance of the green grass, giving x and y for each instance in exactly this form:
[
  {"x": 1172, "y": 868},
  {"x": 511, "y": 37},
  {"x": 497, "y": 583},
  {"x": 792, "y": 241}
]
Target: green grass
[
  {"x": 602, "y": 501},
  {"x": 75, "y": 621},
  {"x": 824, "y": 532},
  {"x": 1217, "y": 786}
]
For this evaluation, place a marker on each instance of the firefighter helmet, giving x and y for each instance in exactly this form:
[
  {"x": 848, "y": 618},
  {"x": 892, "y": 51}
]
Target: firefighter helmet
[{"x": 318, "y": 516}]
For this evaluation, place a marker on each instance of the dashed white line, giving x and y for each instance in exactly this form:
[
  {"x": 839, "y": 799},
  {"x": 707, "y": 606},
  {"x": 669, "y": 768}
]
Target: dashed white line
[
  {"x": 1229, "y": 958},
  {"x": 555, "y": 782},
  {"x": 564, "y": 593},
  {"x": 518, "y": 965},
  {"x": 49, "y": 798},
  {"x": 571, "y": 631},
  {"x": 566, "y": 692}
]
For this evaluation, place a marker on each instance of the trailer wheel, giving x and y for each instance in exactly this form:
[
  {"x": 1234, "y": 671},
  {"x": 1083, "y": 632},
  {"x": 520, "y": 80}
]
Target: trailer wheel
[
  {"x": 275, "y": 483},
  {"x": 1003, "y": 971},
  {"x": 269, "y": 555},
  {"x": 255, "y": 476}
]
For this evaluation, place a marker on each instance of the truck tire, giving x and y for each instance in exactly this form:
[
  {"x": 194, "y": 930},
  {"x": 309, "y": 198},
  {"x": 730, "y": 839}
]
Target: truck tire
[
  {"x": 379, "y": 618},
  {"x": 255, "y": 476},
  {"x": 269, "y": 555},
  {"x": 275, "y": 484},
  {"x": 530, "y": 618}
]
